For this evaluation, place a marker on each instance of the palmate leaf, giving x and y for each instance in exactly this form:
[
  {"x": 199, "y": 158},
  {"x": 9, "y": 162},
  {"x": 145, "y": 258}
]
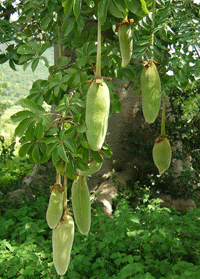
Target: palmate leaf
[
  {"x": 20, "y": 115},
  {"x": 36, "y": 155},
  {"x": 77, "y": 7},
  {"x": 39, "y": 130},
  {"x": 25, "y": 148},
  {"x": 69, "y": 169},
  {"x": 23, "y": 126},
  {"x": 102, "y": 11},
  {"x": 97, "y": 157},
  {"x": 62, "y": 152}
]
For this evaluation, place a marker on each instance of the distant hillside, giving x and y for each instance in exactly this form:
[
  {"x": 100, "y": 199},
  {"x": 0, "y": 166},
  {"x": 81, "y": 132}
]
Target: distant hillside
[{"x": 20, "y": 81}]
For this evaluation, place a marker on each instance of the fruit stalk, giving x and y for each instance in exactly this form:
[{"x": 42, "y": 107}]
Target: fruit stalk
[
  {"x": 153, "y": 25},
  {"x": 163, "y": 118},
  {"x": 65, "y": 192},
  {"x": 98, "y": 63}
]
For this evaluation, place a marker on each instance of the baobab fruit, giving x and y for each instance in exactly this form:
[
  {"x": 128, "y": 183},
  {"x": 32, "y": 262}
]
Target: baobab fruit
[
  {"x": 93, "y": 168},
  {"x": 162, "y": 154},
  {"x": 97, "y": 113},
  {"x": 151, "y": 91},
  {"x": 62, "y": 239},
  {"x": 55, "y": 207},
  {"x": 125, "y": 42},
  {"x": 81, "y": 204}
]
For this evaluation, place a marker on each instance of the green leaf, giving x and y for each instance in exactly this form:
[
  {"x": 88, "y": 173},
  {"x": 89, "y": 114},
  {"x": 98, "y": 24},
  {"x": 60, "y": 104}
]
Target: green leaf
[
  {"x": 39, "y": 130},
  {"x": 115, "y": 9},
  {"x": 26, "y": 103},
  {"x": 102, "y": 11},
  {"x": 68, "y": 26},
  {"x": 97, "y": 157},
  {"x": 106, "y": 150},
  {"x": 21, "y": 115},
  {"x": 63, "y": 61},
  {"x": 52, "y": 140},
  {"x": 81, "y": 129},
  {"x": 36, "y": 154},
  {"x": 26, "y": 49},
  {"x": 25, "y": 58},
  {"x": 137, "y": 7},
  {"x": 50, "y": 148},
  {"x": 29, "y": 134},
  {"x": 12, "y": 64},
  {"x": 69, "y": 169},
  {"x": 85, "y": 154},
  {"x": 55, "y": 157},
  {"x": 25, "y": 148},
  {"x": 69, "y": 145},
  {"x": 62, "y": 152},
  {"x": 43, "y": 48},
  {"x": 77, "y": 7},
  {"x": 67, "y": 4},
  {"x": 34, "y": 64},
  {"x": 81, "y": 165},
  {"x": 85, "y": 143},
  {"x": 23, "y": 126},
  {"x": 34, "y": 46}
]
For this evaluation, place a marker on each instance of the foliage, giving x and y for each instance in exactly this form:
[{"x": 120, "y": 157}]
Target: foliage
[
  {"x": 64, "y": 139},
  {"x": 146, "y": 242},
  {"x": 6, "y": 151}
]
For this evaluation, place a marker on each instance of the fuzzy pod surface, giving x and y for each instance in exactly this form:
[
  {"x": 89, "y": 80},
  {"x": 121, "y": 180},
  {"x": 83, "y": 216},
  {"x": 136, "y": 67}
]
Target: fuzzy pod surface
[
  {"x": 125, "y": 43},
  {"x": 55, "y": 207},
  {"x": 97, "y": 113},
  {"x": 162, "y": 154},
  {"x": 62, "y": 239},
  {"x": 151, "y": 92},
  {"x": 93, "y": 168},
  {"x": 81, "y": 204}
]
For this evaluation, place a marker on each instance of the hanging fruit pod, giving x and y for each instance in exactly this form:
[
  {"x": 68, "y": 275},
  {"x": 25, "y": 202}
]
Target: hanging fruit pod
[
  {"x": 62, "y": 239},
  {"x": 55, "y": 207},
  {"x": 97, "y": 112},
  {"x": 151, "y": 91},
  {"x": 125, "y": 41},
  {"x": 162, "y": 153},
  {"x": 81, "y": 204}
]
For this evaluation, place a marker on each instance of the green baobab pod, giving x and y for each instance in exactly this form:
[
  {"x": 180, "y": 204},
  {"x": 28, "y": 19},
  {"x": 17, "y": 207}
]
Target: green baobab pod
[
  {"x": 55, "y": 207},
  {"x": 81, "y": 204},
  {"x": 125, "y": 43},
  {"x": 162, "y": 154},
  {"x": 93, "y": 167},
  {"x": 62, "y": 238},
  {"x": 151, "y": 91},
  {"x": 97, "y": 112}
]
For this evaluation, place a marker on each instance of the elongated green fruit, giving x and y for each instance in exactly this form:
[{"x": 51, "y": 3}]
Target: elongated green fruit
[
  {"x": 81, "y": 204},
  {"x": 55, "y": 207},
  {"x": 97, "y": 112},
  {"x": 151, "y": 92},
  {"x": 162, "y": 154},
  {"x": 93, "y": 167},
  {"x": 62, "y": 238},
  {"x": 125, "y": 43}
]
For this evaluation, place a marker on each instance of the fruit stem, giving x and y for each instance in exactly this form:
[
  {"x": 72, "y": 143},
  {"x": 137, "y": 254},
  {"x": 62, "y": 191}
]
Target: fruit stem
[
  {"x": 163, "y": 118},
  {"x": 153, "y": 24},
  {"x": 57, "y": 178},
  {"x": 98, "y": 63},
  {"x": 65, "y": 192}
]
